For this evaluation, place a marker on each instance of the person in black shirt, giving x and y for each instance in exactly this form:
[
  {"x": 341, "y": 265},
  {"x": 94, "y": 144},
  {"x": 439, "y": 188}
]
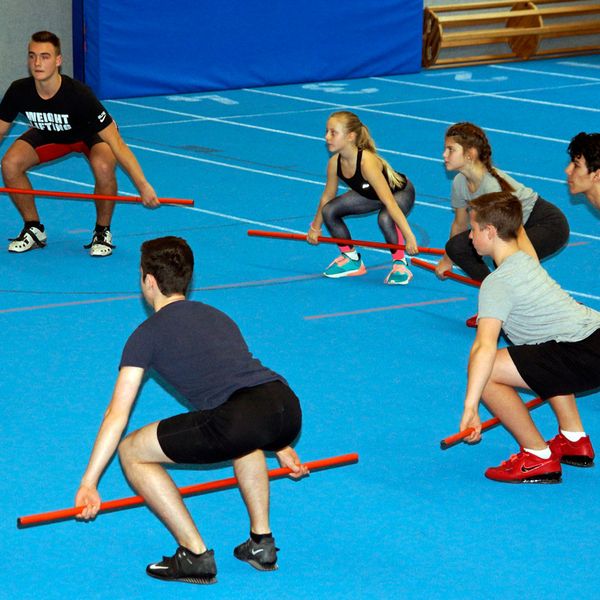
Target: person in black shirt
[
  {"x": 374, "y": 187},
  {"x": 65, "y": 116},
  {"x": 241, "y": 408}
]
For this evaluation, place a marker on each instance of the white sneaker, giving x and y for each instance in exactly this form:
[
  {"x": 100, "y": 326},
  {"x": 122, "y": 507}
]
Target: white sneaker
[
  {"x": 28, "y": 239},
  {"x": 101, "y": 244}
]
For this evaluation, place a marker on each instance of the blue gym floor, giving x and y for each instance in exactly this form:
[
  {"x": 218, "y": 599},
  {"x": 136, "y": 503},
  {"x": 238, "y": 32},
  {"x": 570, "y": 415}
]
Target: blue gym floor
[{"x": 380, "y": 370}]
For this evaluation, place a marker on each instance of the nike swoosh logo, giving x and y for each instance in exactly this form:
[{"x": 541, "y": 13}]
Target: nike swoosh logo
[
  {"x": 365, "y": 185},
  {"x": 525, "y": 469},
  {"x": 255, "y": 552},
  {"x": 158, "y": 567}
]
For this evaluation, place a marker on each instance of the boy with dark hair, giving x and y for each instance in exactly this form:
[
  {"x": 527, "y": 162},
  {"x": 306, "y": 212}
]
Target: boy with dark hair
[
  {"x": 556, "y": 351},
  {"x": 241, "y": 409},
  {"x": 583, "y": 172},
  {"x": 64, "y": 116}
]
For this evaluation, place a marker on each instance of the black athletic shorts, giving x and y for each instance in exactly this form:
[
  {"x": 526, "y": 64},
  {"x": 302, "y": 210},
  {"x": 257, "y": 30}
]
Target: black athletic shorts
[
  {"x": 559, "y": 368},
  {"x": 48, "y": 151},
  {"x": 266, "y": 417}
]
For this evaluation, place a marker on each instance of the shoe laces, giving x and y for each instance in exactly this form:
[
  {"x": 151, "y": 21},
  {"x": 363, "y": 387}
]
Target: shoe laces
[
  {"x": 25, "y": 231},
  {"x": 100, "y": 238},
  {"x": 513, "y": 458}
]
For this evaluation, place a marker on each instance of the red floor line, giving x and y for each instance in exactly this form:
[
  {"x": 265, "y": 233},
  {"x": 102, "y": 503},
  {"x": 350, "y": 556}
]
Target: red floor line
[{"x": 382, "y": 308}]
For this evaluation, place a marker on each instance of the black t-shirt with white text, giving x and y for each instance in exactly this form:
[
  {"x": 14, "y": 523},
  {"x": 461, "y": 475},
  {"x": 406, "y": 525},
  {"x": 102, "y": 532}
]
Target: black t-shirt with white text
[{"x": 72, "y": 114}]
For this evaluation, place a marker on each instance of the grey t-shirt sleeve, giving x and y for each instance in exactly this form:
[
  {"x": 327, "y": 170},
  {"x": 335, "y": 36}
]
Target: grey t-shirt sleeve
[
  {"x": 461, "y": 196},
  {"x": 494, "y": 299}
]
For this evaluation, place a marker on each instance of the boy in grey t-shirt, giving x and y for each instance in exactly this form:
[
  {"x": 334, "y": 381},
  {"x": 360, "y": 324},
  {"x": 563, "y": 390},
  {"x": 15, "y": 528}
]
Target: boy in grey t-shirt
[{"x": 556, "y": 351}]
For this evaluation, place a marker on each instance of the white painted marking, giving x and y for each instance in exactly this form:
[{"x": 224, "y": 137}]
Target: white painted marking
[
  {"x": 466, "y": 76},
  {"x": 494, "y": 94},
  {"x": 212, "y": 97},
  {"x": 407, "y": 116},
  {"x": 337, "y": 88},
  {"x": 572, "y": 63},
  {"x": 545, "y": 73}
]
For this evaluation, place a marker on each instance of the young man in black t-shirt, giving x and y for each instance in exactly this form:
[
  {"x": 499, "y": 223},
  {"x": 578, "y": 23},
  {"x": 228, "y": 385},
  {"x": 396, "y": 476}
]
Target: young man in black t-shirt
[
  {"x": 65, "y": 116},
  {"x": 241, "y": 408}
]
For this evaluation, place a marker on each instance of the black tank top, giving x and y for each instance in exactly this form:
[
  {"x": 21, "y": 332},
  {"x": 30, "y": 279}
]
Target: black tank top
[{"x": 359, "y": 184}]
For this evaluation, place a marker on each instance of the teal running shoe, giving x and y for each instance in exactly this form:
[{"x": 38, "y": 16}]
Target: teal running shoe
[
  {"x": 399, "y": 275},
  {"x": 344, "y": 266}
]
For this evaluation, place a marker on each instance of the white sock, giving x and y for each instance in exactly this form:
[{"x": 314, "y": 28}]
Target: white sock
[
  {"x": 545, "y": 453},
  {"x": 573, "y": 436},
  {"x": 352, "y": 255}
]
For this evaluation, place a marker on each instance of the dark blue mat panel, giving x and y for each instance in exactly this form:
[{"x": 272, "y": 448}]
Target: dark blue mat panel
[{"x": 156, "y": 47}]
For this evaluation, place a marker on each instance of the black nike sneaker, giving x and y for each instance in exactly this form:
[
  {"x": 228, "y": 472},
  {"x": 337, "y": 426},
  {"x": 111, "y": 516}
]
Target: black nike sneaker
[
  {"x": 186, "y": 566},
  {"x": 261, "y": 556}
]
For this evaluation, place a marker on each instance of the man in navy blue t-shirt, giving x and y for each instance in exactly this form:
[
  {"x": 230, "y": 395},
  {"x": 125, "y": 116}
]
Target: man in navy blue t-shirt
[{"x": 241, "y": 409}]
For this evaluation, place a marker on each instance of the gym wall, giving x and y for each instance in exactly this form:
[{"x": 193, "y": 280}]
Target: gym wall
[
  {"x": 21, "y": 19},
  {"x": 152, "y": 47}
]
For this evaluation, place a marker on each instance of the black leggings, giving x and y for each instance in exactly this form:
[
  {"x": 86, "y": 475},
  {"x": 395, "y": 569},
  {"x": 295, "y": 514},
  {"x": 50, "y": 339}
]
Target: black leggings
[
  {"x": 547, "y": 228},
  {"x": 352, "y": 203}
]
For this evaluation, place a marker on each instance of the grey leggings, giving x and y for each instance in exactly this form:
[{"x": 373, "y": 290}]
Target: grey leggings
[
  {"x": 352, "y": 203},
  {"x": 547, "y": 228}
]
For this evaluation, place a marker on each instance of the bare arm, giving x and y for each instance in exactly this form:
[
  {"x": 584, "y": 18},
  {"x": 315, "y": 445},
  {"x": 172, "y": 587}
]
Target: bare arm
[
  {"x": 130, "y": 164},
  {"x": 328, "y": 194},
  {"x": 371, "y": 170},
  {"x": 108, "y": 438},
  {"x": 525, "y": 244},
  {"x": 481, "y": 363},
  {"x": 4, "y": 128},
  {"x": 460, "y": 223}
]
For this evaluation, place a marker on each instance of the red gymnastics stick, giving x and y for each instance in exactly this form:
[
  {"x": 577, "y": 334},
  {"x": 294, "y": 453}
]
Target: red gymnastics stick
[
  {"x": 51, "y": 194},
  {"x": 421, "y": 263},
  {"x": 457, "y": 437},
  {"x": 209, "y": 486},
  {"x": 329, "y": 240}
]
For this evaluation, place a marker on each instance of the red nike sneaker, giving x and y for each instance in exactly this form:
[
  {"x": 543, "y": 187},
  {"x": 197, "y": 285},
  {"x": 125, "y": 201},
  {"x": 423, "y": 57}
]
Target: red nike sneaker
[
  {"x": 525, "y": 467},
  {"x": 578, "y": 454},
  {"x": 472, "y": 322}
]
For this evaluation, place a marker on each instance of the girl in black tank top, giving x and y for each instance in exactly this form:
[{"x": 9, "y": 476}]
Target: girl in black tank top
[{"x": 374, "y": 187}]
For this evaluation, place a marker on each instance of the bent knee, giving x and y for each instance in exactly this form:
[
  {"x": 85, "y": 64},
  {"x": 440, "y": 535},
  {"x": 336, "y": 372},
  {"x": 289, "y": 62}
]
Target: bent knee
[
  {"x": 13, "y": 166},
  {"x": 104, "y": 170},
  {"x": 455, "y": 246},
  {"x": 126, "y": 448},
  {"x": 328, "y": 212}
]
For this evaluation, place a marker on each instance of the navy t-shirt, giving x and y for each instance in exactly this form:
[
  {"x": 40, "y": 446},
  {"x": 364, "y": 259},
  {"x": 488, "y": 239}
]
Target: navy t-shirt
[
  {"x": 197, "y": 349},
  {"x": 72, "y": 114}
]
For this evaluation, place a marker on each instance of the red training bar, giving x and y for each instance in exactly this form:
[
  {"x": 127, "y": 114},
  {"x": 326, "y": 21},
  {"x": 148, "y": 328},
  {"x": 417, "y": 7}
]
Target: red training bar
[
  {"x": 421, "y": 263},
  {"x": 219, "y": 484},
  {"x": 457, "y": 437},
  {"x": 52, "y": 194},
  {"x": 330, "y": 240}
]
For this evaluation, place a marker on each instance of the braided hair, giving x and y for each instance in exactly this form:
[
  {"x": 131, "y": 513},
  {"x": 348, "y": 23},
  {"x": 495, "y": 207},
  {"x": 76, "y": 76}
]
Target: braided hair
[{"x": 470, "y": 136}]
